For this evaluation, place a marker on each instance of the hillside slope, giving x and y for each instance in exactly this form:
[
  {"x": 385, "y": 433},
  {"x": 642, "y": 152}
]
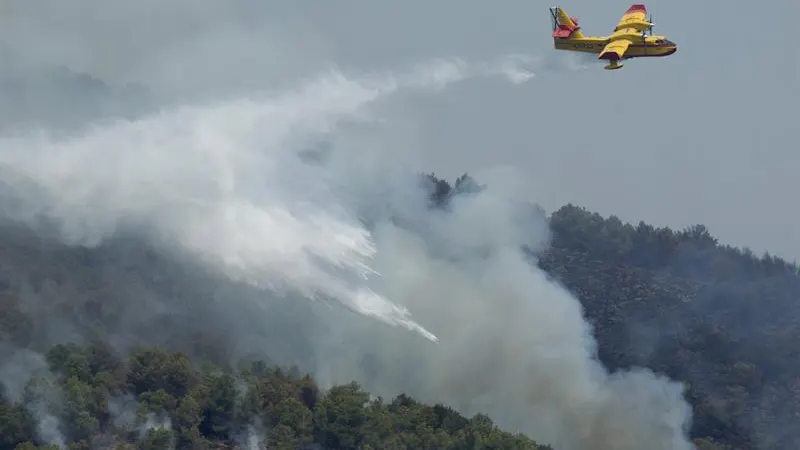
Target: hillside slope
[{"x": 719, "y": 319}]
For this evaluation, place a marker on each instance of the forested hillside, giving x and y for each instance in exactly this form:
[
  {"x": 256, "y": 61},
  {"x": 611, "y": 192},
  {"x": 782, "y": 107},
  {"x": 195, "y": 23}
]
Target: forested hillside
[
  {"x": 719, "y": 319},
  {"x": 723, "y": 320},
  {"x": 158, "y": 399}
]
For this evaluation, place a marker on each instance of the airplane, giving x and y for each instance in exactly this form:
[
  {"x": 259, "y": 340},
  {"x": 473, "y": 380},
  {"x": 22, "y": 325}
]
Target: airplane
[{"x": 629, "y": 39}]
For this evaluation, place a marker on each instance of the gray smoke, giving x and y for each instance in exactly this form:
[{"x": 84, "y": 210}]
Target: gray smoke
[{"x": 226, "y": 182}]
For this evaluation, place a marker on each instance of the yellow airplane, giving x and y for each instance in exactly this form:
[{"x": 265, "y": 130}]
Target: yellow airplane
[{"x": 629, "y": 39}]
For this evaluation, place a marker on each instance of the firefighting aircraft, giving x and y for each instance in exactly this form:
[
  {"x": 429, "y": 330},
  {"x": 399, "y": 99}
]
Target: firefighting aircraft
[{"x": 629, "y": 39}]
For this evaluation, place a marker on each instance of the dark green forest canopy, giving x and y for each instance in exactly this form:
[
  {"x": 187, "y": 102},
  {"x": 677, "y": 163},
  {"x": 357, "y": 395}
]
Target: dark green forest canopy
[
  {"x": 216, "y": 407},
  {"x": 720, "y": 319}
]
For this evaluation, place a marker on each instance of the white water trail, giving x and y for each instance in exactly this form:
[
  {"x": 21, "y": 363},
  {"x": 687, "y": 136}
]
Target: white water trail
[{"x": 225, "y": 183}]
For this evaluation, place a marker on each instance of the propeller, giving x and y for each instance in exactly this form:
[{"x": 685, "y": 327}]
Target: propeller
[{"x": 649, "y": 28}]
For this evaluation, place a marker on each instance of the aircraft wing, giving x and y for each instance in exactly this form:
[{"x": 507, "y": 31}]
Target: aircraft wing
[
  {"x": 635, "y": 15},
  {"x": 615, "y": 49},
  {"x": 630, "y": 24}
]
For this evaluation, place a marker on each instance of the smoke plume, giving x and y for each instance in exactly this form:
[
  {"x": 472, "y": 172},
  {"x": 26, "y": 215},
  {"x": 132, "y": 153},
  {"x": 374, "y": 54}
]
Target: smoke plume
[{"x": 305, "y": 194}]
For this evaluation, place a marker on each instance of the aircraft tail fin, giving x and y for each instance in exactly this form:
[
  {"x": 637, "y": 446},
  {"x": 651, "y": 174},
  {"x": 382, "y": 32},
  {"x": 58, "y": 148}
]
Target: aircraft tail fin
[{"x": 564, "y": 26}]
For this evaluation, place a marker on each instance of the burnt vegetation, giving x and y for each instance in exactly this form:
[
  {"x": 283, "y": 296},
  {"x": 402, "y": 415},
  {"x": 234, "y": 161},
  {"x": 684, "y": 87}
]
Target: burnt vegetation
[{"x": 719, "y": 319}]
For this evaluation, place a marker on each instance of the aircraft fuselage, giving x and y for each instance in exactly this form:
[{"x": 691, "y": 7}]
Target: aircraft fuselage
[{"x": 650, "y": 46}]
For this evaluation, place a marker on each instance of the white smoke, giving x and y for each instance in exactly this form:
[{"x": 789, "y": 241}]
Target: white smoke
[
  {"x": 513, "y": 344},
  {"x": 228, "y": 184},
  {"x": 224, "y": 182}
]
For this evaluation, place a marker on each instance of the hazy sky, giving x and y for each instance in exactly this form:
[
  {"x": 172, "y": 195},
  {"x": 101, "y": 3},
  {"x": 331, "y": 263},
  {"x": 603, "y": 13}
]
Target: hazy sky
[{"x": 704, "y": 136}]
